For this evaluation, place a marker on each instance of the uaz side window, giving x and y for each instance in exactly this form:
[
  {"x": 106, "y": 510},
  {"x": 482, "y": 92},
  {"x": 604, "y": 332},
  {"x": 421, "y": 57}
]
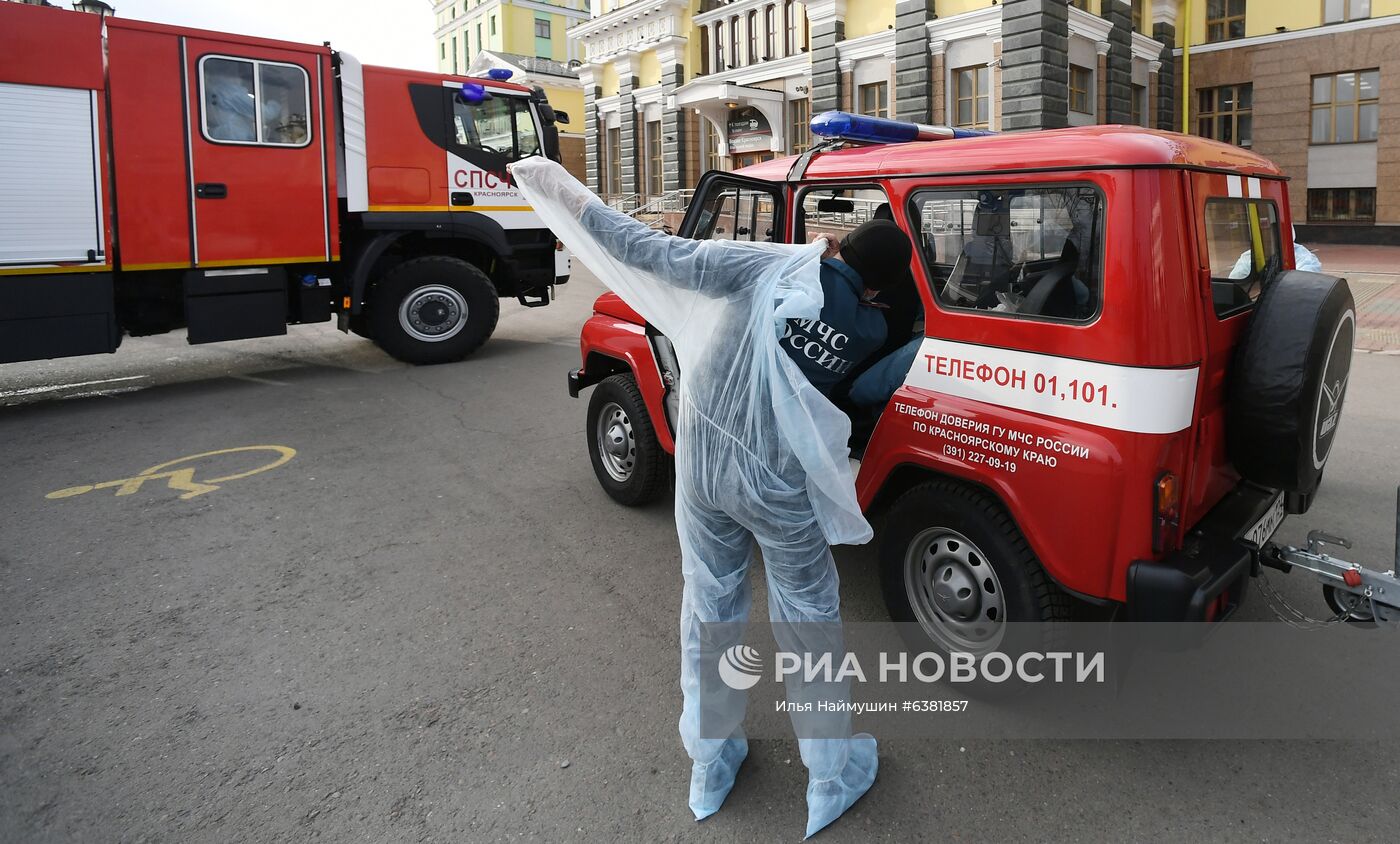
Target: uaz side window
[
  {"x": 246, "y": 101},
  {"x": 1242, "y": 238},
  {"x": 1031, "y": 252}
]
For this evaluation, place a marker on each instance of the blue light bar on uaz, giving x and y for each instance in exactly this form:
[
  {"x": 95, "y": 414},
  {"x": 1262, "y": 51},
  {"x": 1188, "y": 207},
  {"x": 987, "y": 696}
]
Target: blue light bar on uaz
[{"x": 880, "y": 130}]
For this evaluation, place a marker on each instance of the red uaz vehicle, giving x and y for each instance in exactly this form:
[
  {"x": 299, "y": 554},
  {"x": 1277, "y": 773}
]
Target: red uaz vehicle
[
  {"x": 1122, "y": 386},
  {"x": 155, "y": 177}
]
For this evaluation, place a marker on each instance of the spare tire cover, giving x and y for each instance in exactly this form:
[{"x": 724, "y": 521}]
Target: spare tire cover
[{"x": 1289, "y": 379}]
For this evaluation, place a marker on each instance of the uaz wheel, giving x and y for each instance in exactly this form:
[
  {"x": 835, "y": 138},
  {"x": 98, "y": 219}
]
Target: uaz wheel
[
  {"x": 952, "y": 560},
  {"x": 627, "y": 458},
  {"x": 433, "y": 310},
  {"x": 1289, "y": 379}
]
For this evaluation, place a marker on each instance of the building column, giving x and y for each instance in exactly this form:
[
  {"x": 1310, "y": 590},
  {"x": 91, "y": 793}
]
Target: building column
[
  {"x": 938, "y": 82},
  {"x": 592, "y": 131},
  {"x": 913, "y": 90},
  {"x": 826, "y": 20},
  {"x": 674, "y": 136},
  {"x": 1167, "y": 106},
  {"x": 1150, "y": 105},
  {"x": 1035, "y": 64},
  {"x": 1118, "y": 78},
  {"x": 1101, "y": 48},
  {"x": 846, "y": 101},
  {"x": 626, "y": 65}
]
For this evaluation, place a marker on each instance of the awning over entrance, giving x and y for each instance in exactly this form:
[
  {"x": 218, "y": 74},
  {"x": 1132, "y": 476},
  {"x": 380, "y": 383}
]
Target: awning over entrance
[{"x": 738, "y": 113}]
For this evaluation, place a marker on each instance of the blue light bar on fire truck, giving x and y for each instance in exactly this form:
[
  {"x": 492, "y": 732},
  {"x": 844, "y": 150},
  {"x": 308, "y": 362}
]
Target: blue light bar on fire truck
[
  {"x": 841, "y": 125},
  {"x": 500, "y": 74}
]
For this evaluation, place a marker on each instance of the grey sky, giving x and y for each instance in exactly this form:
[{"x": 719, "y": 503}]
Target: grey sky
[{"x": 398, "y": 33}]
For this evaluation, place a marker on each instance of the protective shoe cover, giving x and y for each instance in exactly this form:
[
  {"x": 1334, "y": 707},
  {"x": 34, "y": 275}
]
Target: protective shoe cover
[
  {"x": 761, "y": 457},
  {"x": 711, "y": 781},
  {"x": 827, "y": 800}
]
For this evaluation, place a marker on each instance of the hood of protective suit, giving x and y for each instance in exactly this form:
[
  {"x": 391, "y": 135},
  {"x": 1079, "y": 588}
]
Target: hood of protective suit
[{"x": 722, "y": 304}]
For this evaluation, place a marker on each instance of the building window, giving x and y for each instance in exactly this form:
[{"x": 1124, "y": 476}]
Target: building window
[
  {"x": 655, "y": 172},
  {"x": 874, "y": 99},
  {"x": 719, "y": 46},
  {"x": 801, "y": 113},
  {"x": 796, "y": 16},
  {"x": 1226, "y": 114},
  {"x": 480, "y": 42},
  {"x": 1080, "y": 4},
  {"x": 1346, "y": 107},
  {"x": 1139, "y": 96},
  {"x": 1081, "y": 84},
  {"x": 615, "y": 161},
  {"x": 734, "y": 41},
  {"x": 1137, "y": 15},
  {"x": 493, "y": 25},
  {"x": 753, "y": 36},
  {"x": 704, "y": 50},
  {"x": 972, "y": 109},
  {"x": 1342, "y": 205},
  {"x": 442, "y": 50},
  {"x": 541, "y": 27},
  {"x": 1224, "y": 20},
  {"x": 1337, "y": 11},
  {"x": 770, "y": 32},
  {"x": 454, "y": 55},
  {"x": 712, "y": 157}
]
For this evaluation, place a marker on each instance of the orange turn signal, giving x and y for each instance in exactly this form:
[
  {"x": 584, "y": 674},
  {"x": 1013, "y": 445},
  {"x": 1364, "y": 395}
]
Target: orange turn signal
[{"x": 1168, "y": 495}]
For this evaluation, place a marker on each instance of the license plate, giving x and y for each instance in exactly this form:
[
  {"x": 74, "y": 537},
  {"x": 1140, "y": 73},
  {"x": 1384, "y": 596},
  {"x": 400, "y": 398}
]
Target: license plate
[{"x": 1261, "y": 530}]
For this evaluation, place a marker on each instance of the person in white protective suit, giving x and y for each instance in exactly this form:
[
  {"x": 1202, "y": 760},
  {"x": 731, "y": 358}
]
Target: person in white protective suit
[
  {"x": 1303, "y": 259},
  {"x": 761, "y": 455}
]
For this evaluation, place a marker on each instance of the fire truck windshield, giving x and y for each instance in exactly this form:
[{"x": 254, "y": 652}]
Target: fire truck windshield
[{"x": 503, "y": 125}]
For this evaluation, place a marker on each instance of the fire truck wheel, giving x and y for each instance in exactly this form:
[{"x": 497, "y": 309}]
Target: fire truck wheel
[
  {"x": 434, "y": 309},
  {"x": 953, "y": 562},
  {"x": 1289, "y": 379},
  {"x": 628, "y": 460}
]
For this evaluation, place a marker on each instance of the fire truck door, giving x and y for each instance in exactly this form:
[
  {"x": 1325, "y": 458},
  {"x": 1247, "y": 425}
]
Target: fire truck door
[{"x": 258, "y": 178}]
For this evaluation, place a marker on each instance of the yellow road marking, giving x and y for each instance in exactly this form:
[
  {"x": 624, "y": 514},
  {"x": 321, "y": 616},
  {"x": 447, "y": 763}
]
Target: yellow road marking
[{"x": 182, "y": 479}]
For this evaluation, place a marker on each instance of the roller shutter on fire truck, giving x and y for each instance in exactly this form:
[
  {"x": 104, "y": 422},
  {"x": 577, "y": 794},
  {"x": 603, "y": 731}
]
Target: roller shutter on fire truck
[{"x": 51, "y": 208}]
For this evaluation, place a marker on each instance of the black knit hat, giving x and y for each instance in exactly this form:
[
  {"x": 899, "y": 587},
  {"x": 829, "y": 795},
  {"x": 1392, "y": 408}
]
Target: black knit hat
[{"x": 879, "y": 250}]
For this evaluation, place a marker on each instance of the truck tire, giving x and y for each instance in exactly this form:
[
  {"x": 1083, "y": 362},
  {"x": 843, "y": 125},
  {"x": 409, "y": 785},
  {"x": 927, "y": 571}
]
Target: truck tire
[
  {"x": 1289, "y": 380},
  {"x": 953, "y": 562},
  {"x": 627, "y": 458},
  {"x": 434, "y": 309}
]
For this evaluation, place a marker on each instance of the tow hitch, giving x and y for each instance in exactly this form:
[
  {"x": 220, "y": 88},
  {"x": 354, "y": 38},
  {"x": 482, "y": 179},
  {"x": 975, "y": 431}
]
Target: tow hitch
[{"x": 1356, "y": 594}]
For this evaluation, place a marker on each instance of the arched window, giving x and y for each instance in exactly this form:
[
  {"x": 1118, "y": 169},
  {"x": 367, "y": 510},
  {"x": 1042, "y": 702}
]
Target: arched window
[
  {"x": 734, "y": 41},
  {"x": 719, "y": 45},
  {"x": 770, "y": 32},
  {"x": 753, "y": 36}
]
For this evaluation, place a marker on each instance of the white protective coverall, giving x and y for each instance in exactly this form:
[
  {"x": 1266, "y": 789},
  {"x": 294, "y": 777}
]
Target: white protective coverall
[{"x": 761, "y": 456}]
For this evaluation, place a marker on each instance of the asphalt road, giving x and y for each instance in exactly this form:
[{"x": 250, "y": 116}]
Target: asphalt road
[{"x": 430, "y": 624}]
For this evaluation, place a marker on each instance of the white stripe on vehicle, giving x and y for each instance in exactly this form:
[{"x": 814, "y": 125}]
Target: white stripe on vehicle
[
  {"x": 1125, "y": 398},
  {"x": 1235, "y": 186}
]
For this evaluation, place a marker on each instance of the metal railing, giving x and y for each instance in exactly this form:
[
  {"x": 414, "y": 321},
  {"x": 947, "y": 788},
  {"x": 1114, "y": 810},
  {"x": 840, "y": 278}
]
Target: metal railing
[{"x": 653, "y": 210}]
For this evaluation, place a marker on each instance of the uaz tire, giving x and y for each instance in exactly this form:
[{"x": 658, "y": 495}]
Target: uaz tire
[
  {"x": 1289, "y": 380},
  {"x": 434, "y": 309},
  {"x": 953, "y": 561},
  {"x": 627, "y": 458}
]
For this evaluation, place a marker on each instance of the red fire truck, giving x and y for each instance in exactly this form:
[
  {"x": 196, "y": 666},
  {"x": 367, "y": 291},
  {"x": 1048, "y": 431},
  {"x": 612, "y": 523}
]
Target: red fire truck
[{"x": 154, "y": 177}]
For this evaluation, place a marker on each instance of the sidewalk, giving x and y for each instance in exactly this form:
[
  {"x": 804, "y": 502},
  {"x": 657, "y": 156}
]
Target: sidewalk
[{"x": 1374, "y": 275}]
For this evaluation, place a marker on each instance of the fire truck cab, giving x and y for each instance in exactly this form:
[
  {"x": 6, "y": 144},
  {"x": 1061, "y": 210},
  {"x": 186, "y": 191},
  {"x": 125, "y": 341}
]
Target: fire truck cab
[
  {"x": 1116, "y": 390},
  {"x": 155, "y": 177}
]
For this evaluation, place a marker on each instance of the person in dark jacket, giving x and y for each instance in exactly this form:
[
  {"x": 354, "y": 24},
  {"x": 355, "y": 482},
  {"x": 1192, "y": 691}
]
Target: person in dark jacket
[{"x": 872, "y": 261}]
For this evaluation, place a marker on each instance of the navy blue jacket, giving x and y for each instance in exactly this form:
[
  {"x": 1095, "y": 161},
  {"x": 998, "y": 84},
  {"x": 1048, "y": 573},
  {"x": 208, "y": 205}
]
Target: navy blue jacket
[{"x": 846, "y": 332}]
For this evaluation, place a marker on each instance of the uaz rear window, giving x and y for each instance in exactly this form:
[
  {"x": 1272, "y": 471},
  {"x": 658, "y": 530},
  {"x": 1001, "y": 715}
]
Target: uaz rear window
[{"x": 1029, "y": 252}]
